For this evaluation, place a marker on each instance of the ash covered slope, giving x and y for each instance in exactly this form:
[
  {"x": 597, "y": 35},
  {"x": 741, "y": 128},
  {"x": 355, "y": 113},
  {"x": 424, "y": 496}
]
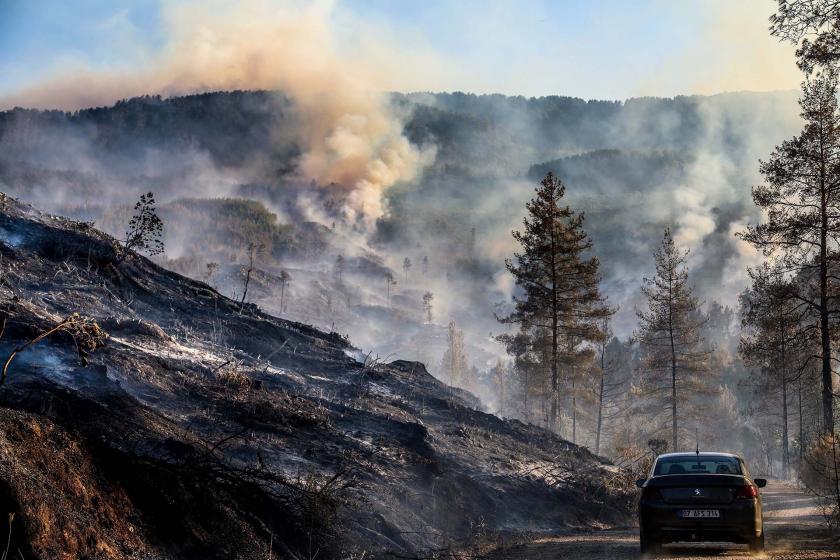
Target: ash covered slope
[{"x": 208, "y": 430}]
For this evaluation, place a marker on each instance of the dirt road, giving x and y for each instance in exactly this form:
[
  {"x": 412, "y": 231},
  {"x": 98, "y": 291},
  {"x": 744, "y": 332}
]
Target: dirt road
[{"x": 792, "y": 521}]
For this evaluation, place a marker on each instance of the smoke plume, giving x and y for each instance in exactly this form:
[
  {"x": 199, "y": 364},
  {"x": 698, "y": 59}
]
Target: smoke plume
[{"x": 351, "y": 137}]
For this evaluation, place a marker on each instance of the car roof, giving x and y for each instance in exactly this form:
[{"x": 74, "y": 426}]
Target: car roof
[{"x": 694, "y": 454}]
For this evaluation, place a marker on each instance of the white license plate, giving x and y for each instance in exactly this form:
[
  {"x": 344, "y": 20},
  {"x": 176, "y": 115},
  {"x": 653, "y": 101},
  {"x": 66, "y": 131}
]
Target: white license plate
[{"x": 699, "y": 513}]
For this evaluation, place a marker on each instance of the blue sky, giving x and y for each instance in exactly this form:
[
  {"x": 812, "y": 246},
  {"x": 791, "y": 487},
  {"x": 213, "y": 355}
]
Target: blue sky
[
  {"x": 38, "y": 35},
  {"x": 594, "y": 49}
]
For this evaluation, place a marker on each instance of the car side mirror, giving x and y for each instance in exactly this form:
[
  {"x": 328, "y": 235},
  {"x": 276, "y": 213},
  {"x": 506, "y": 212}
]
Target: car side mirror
[
  {"x": 641, "y": 482},
  {"x": 760, "y": 482}
]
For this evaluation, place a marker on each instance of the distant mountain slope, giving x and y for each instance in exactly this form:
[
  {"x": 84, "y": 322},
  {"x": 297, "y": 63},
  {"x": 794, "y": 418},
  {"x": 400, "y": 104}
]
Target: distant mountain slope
[
  {"x": 598, "y": 171},
  {"x": 634, "y": 167},
  {"x": 230, "y": 126},
  {"x": 205, "y": 429}
]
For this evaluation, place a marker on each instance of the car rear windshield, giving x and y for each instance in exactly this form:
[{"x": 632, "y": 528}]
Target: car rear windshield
[{"x": 697, "y": 464}]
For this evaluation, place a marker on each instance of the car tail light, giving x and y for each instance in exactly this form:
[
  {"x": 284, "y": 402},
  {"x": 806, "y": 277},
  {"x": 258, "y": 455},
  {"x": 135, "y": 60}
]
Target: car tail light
[
  {"x": 649, "y": 493},
  {"x": 747, "y": 491}
]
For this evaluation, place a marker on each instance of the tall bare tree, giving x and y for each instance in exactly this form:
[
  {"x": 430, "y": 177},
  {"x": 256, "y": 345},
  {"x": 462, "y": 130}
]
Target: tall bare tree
[
  {"x": 801, "y": 200},
  {"x": 454, "y": 363},
  {"x": 611, "y": 389},
  {"x": 615, "y": 392},
  {"x": 674, "y": 362},
  {"x": 285, "y": 280},
  {"x": 772, "y": 341},
  {"x": 254, "y": 249},
  {"x": 340, "y": 265},
  {"x": 406, "y": 267}
]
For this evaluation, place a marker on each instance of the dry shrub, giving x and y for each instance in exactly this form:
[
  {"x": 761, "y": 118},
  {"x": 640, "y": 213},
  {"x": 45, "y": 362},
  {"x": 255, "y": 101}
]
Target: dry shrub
[
  {"x": 317, "y": 501},
  {"x": 820, "y": 473},
  {"x": 67, "y": 508},
  {"x": 234, "y": 380},
  {"x": 634, "y": 462},
  {"x": 127, "y": 326},
  {"x": 85, "y": 333},
  {"x": 281, "y": 409}
]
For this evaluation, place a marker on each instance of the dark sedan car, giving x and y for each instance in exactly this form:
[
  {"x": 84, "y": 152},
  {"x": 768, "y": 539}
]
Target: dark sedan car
[{"x": 700, "y": 497}]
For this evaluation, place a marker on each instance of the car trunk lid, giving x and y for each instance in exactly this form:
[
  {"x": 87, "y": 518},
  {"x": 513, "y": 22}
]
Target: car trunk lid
[{"x": 698, "y": 489}]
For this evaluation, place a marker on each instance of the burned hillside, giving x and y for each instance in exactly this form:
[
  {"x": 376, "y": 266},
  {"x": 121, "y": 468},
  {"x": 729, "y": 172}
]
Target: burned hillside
[{"x": 206, "y": 428}]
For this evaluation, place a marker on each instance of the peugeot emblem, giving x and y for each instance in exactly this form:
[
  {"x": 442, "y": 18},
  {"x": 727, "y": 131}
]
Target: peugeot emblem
[{"x": 697, "y": 492}]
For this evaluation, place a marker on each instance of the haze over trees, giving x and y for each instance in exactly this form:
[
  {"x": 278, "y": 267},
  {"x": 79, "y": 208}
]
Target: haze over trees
[
  {"x": 790, "y": 313},
  {"x": 772, "y": 343},
  {"x": 801, "y": 199},
  {"x": 674, "y": 362},
  {"x": 610, "y": 391}
]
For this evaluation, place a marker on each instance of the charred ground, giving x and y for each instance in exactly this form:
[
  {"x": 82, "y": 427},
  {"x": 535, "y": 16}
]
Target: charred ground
[{"x": 208, "y": 429}]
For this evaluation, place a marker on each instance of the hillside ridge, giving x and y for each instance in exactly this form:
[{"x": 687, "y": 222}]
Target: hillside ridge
[{"x": 205, "y": 428}]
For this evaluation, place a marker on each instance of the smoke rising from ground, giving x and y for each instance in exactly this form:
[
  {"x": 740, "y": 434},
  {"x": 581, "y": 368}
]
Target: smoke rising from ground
[{"x": 351, "y": 137}]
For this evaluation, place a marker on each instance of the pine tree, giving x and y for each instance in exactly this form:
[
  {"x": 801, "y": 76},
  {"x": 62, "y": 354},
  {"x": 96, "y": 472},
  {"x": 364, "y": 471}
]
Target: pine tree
[
  {"x": 812, "y": 25},
  {"x": 145, "y": 229},
  {"x": 406, "y": 267},
  {"x": 801, "y": 199},
  {"x": 675, "y": 367},
  {"x": 559, "y": 297}
]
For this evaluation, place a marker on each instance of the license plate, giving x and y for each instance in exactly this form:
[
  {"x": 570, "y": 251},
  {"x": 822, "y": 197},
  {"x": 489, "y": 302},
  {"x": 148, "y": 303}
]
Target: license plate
[{"x": 699, "y": 513}]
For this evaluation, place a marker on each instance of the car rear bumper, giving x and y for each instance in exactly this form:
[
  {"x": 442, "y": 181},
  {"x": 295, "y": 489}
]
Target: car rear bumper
[{"x": 739, "y": 522}]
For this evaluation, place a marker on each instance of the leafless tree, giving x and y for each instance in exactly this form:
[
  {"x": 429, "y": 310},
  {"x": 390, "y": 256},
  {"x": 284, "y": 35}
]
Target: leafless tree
[
  {"x": 406, "y": 267},
  {"x": 285, "y": 279},
  {"x": 254, "y": 251}
]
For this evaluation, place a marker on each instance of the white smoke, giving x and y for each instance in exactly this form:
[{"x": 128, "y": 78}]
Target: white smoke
[{"x": 352, "y": 138}]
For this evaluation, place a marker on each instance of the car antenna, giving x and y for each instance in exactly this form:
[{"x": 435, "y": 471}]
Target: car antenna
[{"x": 697, "y": 439}]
